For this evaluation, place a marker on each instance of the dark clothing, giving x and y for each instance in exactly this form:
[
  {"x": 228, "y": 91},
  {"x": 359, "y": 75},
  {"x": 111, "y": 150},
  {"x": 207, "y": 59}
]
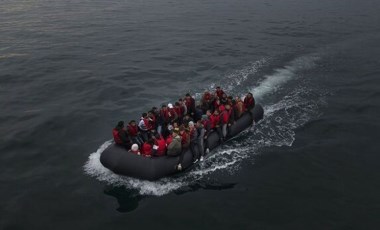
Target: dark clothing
[
  {"x": 121, "y": 138},
  {"x": 249, "y": 103}
]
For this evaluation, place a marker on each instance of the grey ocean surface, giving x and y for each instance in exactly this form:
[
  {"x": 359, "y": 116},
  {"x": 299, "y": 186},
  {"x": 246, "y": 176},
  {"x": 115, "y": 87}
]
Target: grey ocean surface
[{"x": 69, "y": 70}]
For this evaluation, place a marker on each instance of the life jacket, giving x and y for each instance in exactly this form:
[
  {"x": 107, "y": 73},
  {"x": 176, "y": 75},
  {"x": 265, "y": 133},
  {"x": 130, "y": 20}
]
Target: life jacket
[
  {"x": 206, "y": 124},
  {"x": 219, "y": 93},
  {"x": 206, "y": 97},
  {"x": 225, "y": 115},
  {"x": 169, "y": 139},
  {"x": 164, "y": 115},
  {"x": 172, "y": 114},
  {"x": 116, "y": 137},
  {"x": 215, "y": 121},
  {"x": 152, "y": 122},
  {"x": 179, "y": 111},
  {"x": 161, "y": 143},
  {"x": 185, "y": 139},
  {"x": 249, "y": 103},
  {"x": 221, "y": 108},
  {"x": 132, "y": 130},
  {"x": 146, "y": 149},
  {"x": 147, "y": 124},
  {"x": 216, "y": 105}
]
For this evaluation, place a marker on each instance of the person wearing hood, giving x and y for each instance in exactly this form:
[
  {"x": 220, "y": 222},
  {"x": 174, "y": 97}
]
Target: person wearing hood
[{"x": 249, "y": 102}]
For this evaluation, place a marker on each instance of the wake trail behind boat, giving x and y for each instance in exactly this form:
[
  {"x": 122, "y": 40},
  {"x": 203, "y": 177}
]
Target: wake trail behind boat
[{"x": 276, "y": 129}]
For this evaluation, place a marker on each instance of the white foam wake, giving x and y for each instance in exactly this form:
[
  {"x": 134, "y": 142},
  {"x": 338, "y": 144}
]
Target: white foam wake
[{"x": 271, "y": 83}]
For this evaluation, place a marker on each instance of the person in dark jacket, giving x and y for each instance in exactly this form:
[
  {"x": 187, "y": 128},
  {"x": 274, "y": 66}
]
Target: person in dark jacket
[
  {"x": 249, "y": 102},
  {"x": 190, "y": 104},
  {"x": 134, "y": 133},
  {"x": 200, "y": 139},
  {"x": 193, "y": 133},
  {"x": 215, "y": 124},
  {"x": 206, "y": 123},
  {"x": 227, "y": 119}
]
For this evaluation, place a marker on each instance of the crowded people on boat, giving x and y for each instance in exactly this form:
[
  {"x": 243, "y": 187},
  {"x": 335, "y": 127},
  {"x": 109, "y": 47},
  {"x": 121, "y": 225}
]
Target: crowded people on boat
[{"x": 173, "y": 129}]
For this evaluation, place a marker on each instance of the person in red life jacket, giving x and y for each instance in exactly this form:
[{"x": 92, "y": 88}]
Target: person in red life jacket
[
  {"x": 145, "y": 126},
  {"x": 135, "y": 149},
  {"x": 227, "y": 119},
  {"x": 249, "y": 102},
  {"x": 120, "y": 135},
  {"x": 206, "y": 123},
  {"x": 219, "y": 92},
  {"x": 152, "y": 120},
  {"x": 147, "y": 148},
  {"x": 161, "y": 145},
  {"x": 179, "y": 110},
  {"x": 216, "y": 104},
  {"x": 133, "y": 133},
  {"x": 169, "y": 138},
  {"x": 240, "y": 107},
  {"x": 190, "y": 104},
  {"x": 173, "y": 116},
  {"x": 215, "y": 124},
  {"x": 206, "y": 101}
]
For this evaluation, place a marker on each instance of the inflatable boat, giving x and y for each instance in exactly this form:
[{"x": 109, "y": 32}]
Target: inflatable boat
[{"x": 123, "y": 162}]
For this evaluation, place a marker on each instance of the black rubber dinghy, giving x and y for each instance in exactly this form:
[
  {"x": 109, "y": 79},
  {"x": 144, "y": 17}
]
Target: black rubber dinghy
[{"x": 120, "y": 161}]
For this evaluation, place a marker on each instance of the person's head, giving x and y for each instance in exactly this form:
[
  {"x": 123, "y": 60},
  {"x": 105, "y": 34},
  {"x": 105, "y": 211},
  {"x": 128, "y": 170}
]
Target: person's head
[
  {"x": 217, "y": 101},
  {"x": 208, "y": 112},
  {"x": 249, "y": 95},
  {"x": 120, "y": 124},
  {"x": 175, "y": 132},
  {"x": 157, "y": 136},
  {"x": 227, "y": 107},
  {"x": 150, "y": 141},
  {"x": 216, "y": 112},
  {"x": 144, "y": 115},
  {"x": 224, "y": 96},
  {"x": 135, "y": 148},
  {"x": 163, "y": 107},
  {"x": 175, "y": 125},
  {"x": 218, "y": 88},
  {"x": 177, "y": 104},
  {"x": 170, "y": 105},
  {"x": 132, "y": 123},
  {"x": 205, "y": 117},
  {"x": 191, "y": 124},
  {"x": 188, "y": 95}
]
